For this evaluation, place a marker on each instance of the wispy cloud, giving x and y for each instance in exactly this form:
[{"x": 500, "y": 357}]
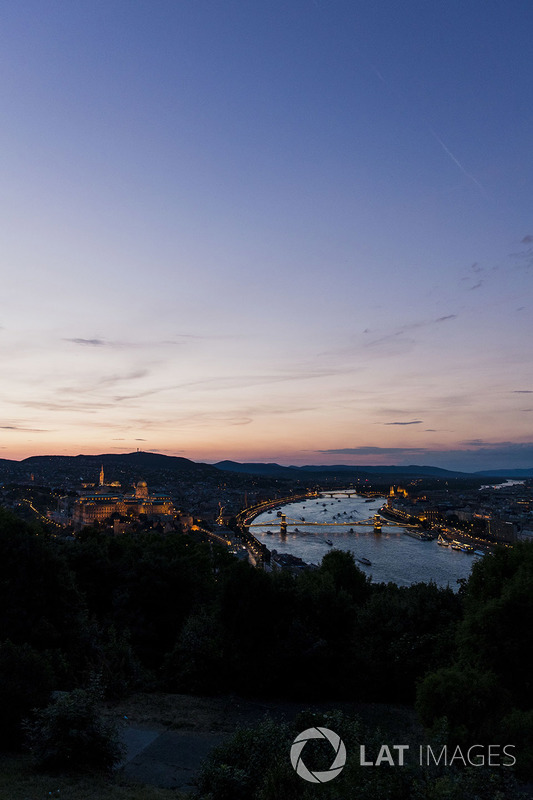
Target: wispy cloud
[
  {"x": 373, "y": 451},
  {"x": 523, "y": 257},
  {"x": 24, "y": 430},
  {"x": 88, "y": 342},
  {"x": 486, "y": 443},
  {"x": 104, "y": 382},
  {"x": 68, "y": 405},
  {"x": 471, "y": 455},
  {"x": 446, "y": 318},
  {"x": 399, "y": 335},
  {"x": 414, "y": 422},
  {"x": 230, "y": 382},
  {"x": 473, "y": 276},
  {"x": 178, "y": 339}
]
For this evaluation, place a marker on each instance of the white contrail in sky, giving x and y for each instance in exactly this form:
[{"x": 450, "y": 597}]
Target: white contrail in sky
[
  {"x": 400, "y": 97},
  {"x": 454, "y": 159}
]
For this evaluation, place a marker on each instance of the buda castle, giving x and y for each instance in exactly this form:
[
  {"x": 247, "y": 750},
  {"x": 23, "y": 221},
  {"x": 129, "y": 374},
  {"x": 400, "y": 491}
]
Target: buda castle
[{"x": 100, "y": 503}]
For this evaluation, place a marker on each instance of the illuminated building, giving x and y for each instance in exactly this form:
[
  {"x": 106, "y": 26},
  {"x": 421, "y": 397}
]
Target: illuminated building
[{"x": 97, "y": 506}]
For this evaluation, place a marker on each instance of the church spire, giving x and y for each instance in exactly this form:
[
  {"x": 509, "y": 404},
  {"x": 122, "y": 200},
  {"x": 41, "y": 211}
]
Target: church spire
[{"x": 101, "y": 482}]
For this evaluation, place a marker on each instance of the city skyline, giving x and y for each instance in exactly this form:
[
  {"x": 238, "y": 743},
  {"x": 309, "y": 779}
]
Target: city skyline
[{"x": 298, "y": 233}]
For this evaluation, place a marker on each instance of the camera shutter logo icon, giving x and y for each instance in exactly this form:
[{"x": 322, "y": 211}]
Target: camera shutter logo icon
[{"x": 338, "y": 762}]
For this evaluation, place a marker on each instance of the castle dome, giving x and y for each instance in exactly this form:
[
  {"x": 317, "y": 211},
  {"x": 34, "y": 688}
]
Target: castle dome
[{"x": 141, "y": 489}]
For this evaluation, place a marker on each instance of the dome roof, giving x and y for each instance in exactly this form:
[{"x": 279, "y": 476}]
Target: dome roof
[{"x": 141, "y": 484}]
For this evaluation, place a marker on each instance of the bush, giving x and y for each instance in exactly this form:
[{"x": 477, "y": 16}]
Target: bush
[
  {"x": 110, "y": 655},
  {"x": 237, "y": 768},
  {"x": 517, "y": 729},
  {"x": 72, "y": 734},
  {"x": 254, "y": 764},
  {"x": 472, "y": 702},
  {"x": 26, "y": 680},
  {"x": 195, "y": 664}
]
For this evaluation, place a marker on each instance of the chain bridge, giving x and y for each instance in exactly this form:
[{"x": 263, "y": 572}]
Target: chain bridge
[{"x": 375, "y": 521}]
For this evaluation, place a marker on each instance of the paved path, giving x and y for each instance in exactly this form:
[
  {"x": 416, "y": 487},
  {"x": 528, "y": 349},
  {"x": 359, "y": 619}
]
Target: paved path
[{"x": 168, "y": 759}]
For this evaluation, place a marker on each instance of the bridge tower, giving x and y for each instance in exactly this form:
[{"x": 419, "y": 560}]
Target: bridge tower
[
  {"x": 377, "y": 523},
  {"x": 283, "y": 525}
]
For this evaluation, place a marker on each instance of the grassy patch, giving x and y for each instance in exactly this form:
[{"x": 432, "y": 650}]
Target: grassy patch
[
  {"x": 226, "y": 713},
  {"x": 18, "y": 781}
]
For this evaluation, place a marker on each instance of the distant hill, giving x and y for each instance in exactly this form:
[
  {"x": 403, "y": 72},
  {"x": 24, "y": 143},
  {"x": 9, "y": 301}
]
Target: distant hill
[
  {"x": 277, "y": 470},
  {"x": 140, "y": 459},
  {"x": 506, "y": 473},
  {"x": 157, "y": 467},
  {"x": 269, "y": 470},
  {"x": 120, "y": 466},
  {"x": 411, "y": 470}
]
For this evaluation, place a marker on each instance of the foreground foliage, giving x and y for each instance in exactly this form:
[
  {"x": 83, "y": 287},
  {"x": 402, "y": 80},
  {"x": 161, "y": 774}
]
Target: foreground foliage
[
  {"x": 162, "y": 612},
  {"x": 19, "y": 781},
  {"x": 71, "y": 734},
  {"x": 254, "y": 764}
]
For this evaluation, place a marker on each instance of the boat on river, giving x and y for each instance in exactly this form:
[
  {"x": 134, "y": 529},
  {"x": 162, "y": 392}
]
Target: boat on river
[
  {"x": 422, "y": 536},
  {"x": 365, "y": 561},
  {"x": 328, "y": 541},
  {"x": 465, "y": 548},
  {"x": 442, "y": 541}
]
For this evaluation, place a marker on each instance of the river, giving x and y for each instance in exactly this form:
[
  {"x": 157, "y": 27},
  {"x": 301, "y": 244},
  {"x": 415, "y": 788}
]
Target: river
[{"x": 394, "y": 556}]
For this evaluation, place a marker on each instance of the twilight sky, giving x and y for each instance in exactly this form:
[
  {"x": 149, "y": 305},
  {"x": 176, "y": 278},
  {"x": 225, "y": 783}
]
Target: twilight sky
[{"x": 282, "y": 230}]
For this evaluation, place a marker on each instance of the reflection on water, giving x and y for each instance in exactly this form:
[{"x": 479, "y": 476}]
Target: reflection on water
[{"x": 393, "y": 555}]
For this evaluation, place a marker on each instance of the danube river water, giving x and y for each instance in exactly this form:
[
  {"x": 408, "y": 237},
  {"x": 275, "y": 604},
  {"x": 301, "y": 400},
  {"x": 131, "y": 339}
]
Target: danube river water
[{"x": 394, "y": 556}]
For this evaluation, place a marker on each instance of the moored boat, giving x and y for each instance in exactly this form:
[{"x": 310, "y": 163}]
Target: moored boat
[
  {"x": 422, "y": 536},
  {"x": 463, "y": 547}
]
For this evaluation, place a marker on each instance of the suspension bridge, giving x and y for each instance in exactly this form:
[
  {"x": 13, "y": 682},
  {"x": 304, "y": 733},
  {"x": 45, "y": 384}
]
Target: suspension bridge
[{"x": 376, "y": 521}]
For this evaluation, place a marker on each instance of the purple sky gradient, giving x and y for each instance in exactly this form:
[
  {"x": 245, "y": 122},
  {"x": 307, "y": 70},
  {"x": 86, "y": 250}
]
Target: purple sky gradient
[{"x": 297, "y": 232}]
